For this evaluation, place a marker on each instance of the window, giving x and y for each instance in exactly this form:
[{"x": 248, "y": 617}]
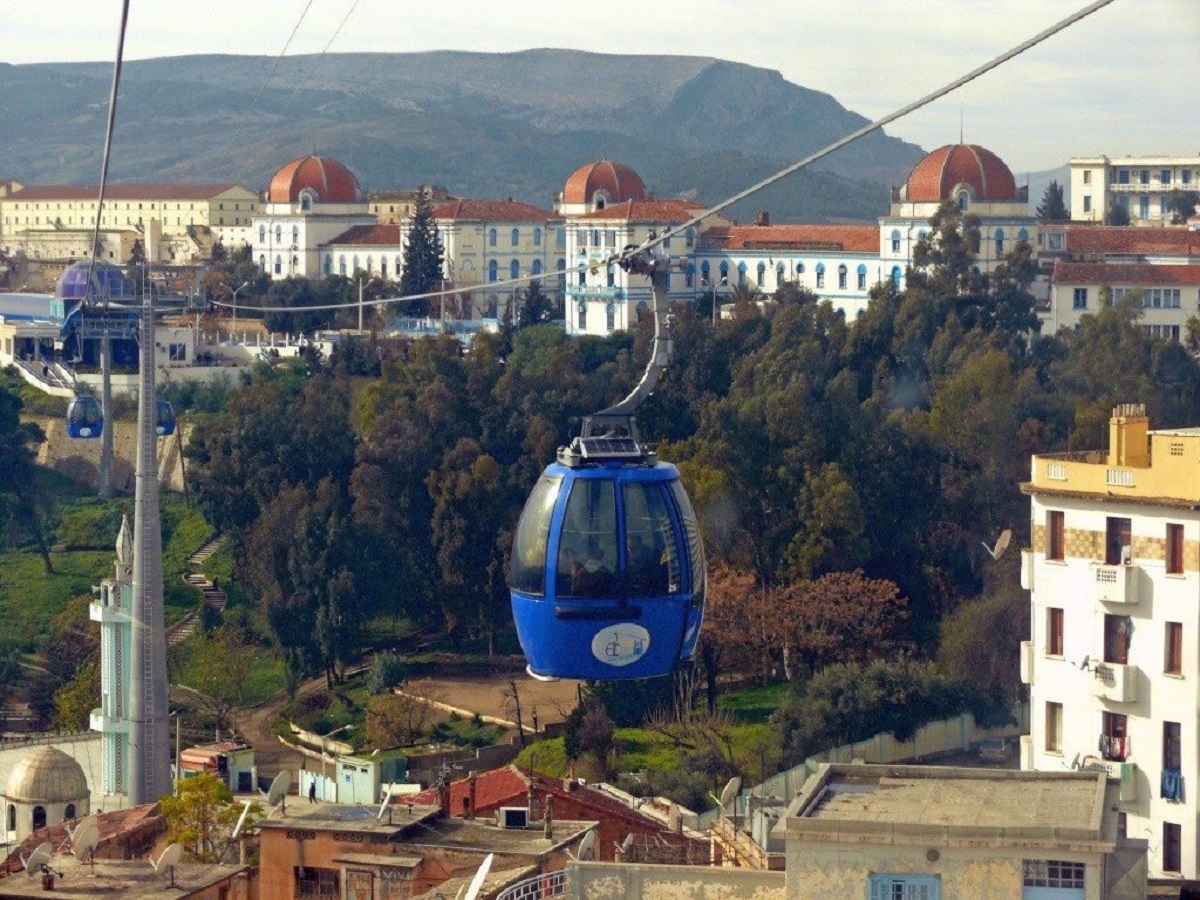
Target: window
[
  {"x": 862, "y": 277},
  {"x": 1087, "y": 176},
  {"x": 1172, "y": 841},
  {"x": 895, "y": 240},
  {"x": 537, "y": 237},
  {"x": 842, "y": 277},
  {"x": 1116, "y": 639},
  {"x": 1114, "y": 737},
  {"x": 896, "y": 273},
  {"x": 1055, "y": 548},
  {"x": 295, "y": 234},
  {"x": 278, "y": 264},
  {"x": 582, "y": 320},
  {"x": 1143, "y": 207},
  {"x": 780, "y": 274},
  {"x": 177, "y": 352},
  {"x": 610, "y": 316},
  {"x": 999, "y": 238},
  {"x": 1054, "y": 727},
  {"x": 536, "y": 268},
  {"x": 1173, "y": 651},
  {"x": 1186, "y": 176},
  {"x": 1087, "y": 203},
  {"x": 1054, "y": 631},
  {"x": 528, "y": 565},
  {"x": 1122, "y": 176},
  {"x": 891, "y": 886},
  {"x": 1053, "y": 873},
  {"x": 964, "y": 200},
  {"x": 1172, "y": 743},
  {"x": 314, "y": 882},
  {"x": 1118, "y": 543},
  {"x": 262, "y": 234},
  {"x": 1174, "y": 549},
  {"x": 342, "y": 265},
  {"x": 516, "y": 236},
  {"x": 491, "y": 237},
  {"x": 820, "y": 275},
  {"x": 494, "y": 271},
  {"x": 69, "y": 812},
  {"x": 514, "y": 269},
  {"x": 39, "y": 817},
  {"x": 762, "y": 274},
  {"x": 1079, "y": 298},
  {"x": 1144, "y": 176},
  {"x": 742, "y": 272}
]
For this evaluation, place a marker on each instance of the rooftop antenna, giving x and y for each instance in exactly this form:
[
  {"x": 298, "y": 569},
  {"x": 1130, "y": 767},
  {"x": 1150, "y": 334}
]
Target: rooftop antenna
[
  {"x": 732, "y": 786},
  {"x": 169, "y": 860},
  {"x": 386, "y": 804},
  {"x": 476, "y": 884},
  {"x": 1001, "y": 544}
]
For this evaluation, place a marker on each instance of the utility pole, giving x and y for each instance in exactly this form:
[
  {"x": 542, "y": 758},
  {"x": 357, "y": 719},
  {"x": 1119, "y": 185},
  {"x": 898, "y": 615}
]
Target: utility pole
[{"x": 360, "y": 303}]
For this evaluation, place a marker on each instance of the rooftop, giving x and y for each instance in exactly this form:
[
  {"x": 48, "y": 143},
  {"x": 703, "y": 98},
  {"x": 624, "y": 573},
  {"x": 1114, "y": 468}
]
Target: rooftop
[
  {"x": 491, "y": 211},
  {"x": 128, "y": 879},
  {"x": 1125, "y": 274},
  {"x": 341, "y": 817},
  {"x": 846, "y": 238},
  {"x": 652, "y": 211},
  {"x": 1124, "y": 240},
  {"x": 120, "y": 192},
  {"x": 482, "y": 836}
]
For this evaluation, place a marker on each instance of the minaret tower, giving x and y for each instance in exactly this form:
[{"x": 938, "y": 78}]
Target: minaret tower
[{"x": 113, "y": 610}]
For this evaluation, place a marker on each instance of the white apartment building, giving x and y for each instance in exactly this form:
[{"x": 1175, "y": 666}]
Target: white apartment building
[
  {"x": 1169, "y": 294},
  {"x": 1139, "y": 183},
  {"x": 1113, "y": 666}
]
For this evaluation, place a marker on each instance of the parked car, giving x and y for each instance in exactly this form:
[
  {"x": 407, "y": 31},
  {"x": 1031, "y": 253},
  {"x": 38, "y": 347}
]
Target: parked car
[{"x": 994, "y": 749}]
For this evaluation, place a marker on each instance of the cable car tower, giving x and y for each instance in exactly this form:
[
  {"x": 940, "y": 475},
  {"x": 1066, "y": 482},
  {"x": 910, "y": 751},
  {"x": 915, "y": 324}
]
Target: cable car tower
[{"x": 608, "y": 575}]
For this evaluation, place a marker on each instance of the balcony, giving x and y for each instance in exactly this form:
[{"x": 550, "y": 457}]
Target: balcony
[
  {"x": 97, "y": 721},
  {"x": 1115, "y": 584},
  {"x": 1115, "y": 682}
]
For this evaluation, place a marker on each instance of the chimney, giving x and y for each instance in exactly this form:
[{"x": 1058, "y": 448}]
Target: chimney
[
  {"x": 763, "y": 218},
  {"x": 1129, "y": 436},
  {"x": 471, "y": 795},
  {"x": 444, "y": 796},
  {"x": 548, "y": 821}
]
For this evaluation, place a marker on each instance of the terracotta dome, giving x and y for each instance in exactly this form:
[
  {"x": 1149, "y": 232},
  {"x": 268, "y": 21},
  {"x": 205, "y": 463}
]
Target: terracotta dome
[
  {"x": 615, "y": 181},
  {"x": 936, "y": 176},
  {"x": 47, "y": 775},
  {"x": 327, "y": 178}
]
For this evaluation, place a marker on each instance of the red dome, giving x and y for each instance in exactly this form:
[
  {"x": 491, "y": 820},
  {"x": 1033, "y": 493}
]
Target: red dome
[
  {"x": 327, "y": 178},
  {"x": 618, "y": 182},
  {"x": 935, "y": 177}
]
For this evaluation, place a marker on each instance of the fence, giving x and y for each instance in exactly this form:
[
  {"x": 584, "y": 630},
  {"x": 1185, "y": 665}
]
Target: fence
[{"x": 552, "y": 884}]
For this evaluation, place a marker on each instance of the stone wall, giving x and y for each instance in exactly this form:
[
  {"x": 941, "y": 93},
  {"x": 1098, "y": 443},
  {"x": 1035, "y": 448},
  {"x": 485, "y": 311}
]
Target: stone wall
[{"x": 79, "y": 460}]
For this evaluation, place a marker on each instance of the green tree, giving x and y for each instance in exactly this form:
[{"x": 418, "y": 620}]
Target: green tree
[
  {"x": 1053, "y": 207},
  {"x": 1182, "y": 205},
  {"x": 217, "y": 667},
  {"x": 202, "y": 815},
  {"x": 535, "y": 307},
  {"x": 1118, "y": 214},
  {"x": 423, "y": 253},
  {"x": 75, "y": 700},
  {"x": 21, "y": 503}
]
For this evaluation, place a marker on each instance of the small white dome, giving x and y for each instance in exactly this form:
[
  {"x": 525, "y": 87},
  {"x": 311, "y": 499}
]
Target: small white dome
[{"x": 47, "y": 775}]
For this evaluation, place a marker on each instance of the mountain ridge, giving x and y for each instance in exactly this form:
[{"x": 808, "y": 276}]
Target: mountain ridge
[{"x": 483, "y": 124}]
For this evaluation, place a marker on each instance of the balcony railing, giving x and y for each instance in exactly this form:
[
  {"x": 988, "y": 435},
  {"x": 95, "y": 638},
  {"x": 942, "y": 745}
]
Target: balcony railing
[
  {"x": 551, "y": 884},
  {"x": 1116, "y": 584},
  {"x": 1115, "y": 682}
]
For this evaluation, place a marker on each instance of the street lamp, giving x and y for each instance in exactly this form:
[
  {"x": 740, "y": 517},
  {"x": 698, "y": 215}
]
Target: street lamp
[
  {"x": 713, "y": 286},
  {"x": 325, "y": 749},
  {"x": 244, "y": 284}
]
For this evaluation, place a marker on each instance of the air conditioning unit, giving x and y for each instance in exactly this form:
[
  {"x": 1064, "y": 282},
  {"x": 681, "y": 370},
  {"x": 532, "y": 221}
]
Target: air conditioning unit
[{"x": 514, "y": 817}]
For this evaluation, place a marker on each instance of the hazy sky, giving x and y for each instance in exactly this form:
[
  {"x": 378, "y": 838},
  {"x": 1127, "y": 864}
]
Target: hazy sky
[{"x": 1124, "y": 81}]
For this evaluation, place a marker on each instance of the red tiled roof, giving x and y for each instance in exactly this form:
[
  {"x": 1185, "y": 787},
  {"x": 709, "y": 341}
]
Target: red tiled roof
[
  {"x": 371, "y": 235},
  {"x": 1124, "y": 274},
  {"x": 848, "y": 238},
  {"x": 934, "y": 178},
  {"x": 646, "y": 211},
  {"x": 113, "y": 192},
  {"x": 492, "y": 788},
  {"x": 491, "y": 211},
  {"x": 112, "y": 825},
  {"x": 1139, "y": 241},
  {"x": 615, "y": 179},
  {"x": 327, "y": 178}
]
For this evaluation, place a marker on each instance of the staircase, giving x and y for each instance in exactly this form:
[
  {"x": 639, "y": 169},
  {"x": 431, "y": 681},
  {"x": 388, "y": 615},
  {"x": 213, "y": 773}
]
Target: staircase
[{"x": 210, "y": 592}]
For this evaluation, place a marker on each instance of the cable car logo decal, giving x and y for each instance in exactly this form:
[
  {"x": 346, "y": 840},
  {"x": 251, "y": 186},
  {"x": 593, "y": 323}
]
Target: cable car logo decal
[{"x": 620, "y": 645}]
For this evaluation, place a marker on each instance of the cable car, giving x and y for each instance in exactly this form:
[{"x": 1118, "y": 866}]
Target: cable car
[
  {"x": 85, "y": 418},
  {"x": 164, "y": 418},
  {"x": 607, "y": 575}
]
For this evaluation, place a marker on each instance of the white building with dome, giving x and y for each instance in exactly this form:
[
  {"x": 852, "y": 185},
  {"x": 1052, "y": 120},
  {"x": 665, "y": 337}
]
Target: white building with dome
[{"x": 44, "y": 788}]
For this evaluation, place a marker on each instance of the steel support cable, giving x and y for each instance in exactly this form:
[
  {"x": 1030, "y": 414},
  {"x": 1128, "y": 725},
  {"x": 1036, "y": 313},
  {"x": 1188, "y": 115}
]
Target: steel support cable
[
  {"x": 108, "y": 138},
  {"x": 1038, "y": 38},
  {"x": 346, "y": 18}
]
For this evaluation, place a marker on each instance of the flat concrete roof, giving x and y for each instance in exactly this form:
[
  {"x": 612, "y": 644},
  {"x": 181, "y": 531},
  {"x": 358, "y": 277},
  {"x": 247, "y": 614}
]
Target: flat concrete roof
[
  {"x": 958, "y": 797},
  {"x": 483, "y": 836},
  {"x": 300, "y": 814},
  {"x": 117, "y": 878}
]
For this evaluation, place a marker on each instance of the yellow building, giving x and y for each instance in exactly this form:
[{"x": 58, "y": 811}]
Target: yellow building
[{"x": 174, "y": 222}]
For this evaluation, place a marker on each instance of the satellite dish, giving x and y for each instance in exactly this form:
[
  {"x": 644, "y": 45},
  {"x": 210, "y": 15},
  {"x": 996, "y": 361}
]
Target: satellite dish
[
  {"x": 626, "y": 845},
  {"x": 84, "y": 839},
  {"x": 169, "y": 860},
  {"x": 1001, "y": 544},
  {"x": 730, "y": 790},
  {"x": 38, "y": 858},
  {"x": 241, "y": 822},
  {"x": 90, "y": 819},
  {"x": 476, "y": 884},
  {"x": 587, "y": 847},
  {"x": 277, "y": 795},
  {"x": 387, "y": 798}
]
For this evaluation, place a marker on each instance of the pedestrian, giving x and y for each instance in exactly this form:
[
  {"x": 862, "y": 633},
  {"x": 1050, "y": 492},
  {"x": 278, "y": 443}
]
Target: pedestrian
[{"x": 312, "y": 790}]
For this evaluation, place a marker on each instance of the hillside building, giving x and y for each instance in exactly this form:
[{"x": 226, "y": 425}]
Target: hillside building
[
  {"x": 1113, "y": 666},
  {"x": 175, "y": 223},
  {"x": 1141, "y": 184}
]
